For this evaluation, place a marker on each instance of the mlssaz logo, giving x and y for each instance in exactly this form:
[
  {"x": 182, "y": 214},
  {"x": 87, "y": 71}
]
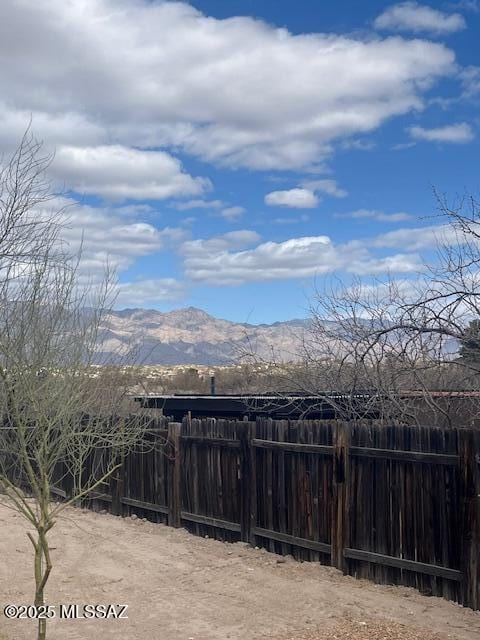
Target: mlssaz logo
[{"x": 93, "y": 611}]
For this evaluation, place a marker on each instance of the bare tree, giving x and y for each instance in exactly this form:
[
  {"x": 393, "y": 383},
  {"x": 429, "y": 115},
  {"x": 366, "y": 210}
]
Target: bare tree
[
  {"x": 59, "y": 418},
  {"x": 392, "y": 348},
  {"x": 397, "y": 343},
  {"x": 28, "y": 232}
]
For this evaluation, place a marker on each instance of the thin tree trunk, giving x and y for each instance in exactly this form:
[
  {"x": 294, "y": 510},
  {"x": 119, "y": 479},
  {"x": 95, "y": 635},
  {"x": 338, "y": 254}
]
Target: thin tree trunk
[{"x": 43, "y": 566}]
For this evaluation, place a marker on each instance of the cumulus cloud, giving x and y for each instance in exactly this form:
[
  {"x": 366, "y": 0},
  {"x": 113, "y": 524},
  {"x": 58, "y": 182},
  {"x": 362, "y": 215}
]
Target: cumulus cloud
[
  {"x": 466, "y": 5},
  {"x": 306, "y": 195},
  {"x": 149, "y": 291},
  {"x": 232, "y": 213},
  {"x": 120, "y": 173},
  {"x": 470, "y": 80},
  {"x": 328, "y": 186},
  {"x": 377, "y": 216},
  {"x": 234, "y": 259},
  {"x": 54, "y": 127},
  {"x": 217, "y": 261},
  {"x": 455, "y": 133},
  {"x": 293, "y": 198},
  {"x": 106, "y": 235},
  {"x": 235, "y": 91},
  {"x": 198, "y": 204},
  {"x": 233, "y": 240},
  {"x": 412, "y": 16},
  {"x": 417, "y": 239}
]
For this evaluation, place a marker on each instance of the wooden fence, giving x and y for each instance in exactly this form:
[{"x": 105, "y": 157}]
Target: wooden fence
[{"x": 392, "y": 504}]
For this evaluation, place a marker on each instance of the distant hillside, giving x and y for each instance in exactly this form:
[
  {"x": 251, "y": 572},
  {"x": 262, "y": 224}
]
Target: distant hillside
[{"x": 192, "y": 336}]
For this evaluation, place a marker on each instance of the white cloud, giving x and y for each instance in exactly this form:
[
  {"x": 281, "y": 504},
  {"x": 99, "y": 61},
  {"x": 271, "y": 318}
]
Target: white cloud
[
  {"x": 305, "y": 196},
  {"x": 416, "y": 238},
  {"x": 198, "y": 204},
  {"x": 233, "y": 240},
  {"x": 412, "y": 16},
  {"x": 466, "y": 5},
  {"x": 120, "y": 173},
  {"x": 470, "y": 80},
  {"x": 217, "y": 261},
  {"x": 55, "y": 128},
  {"x": 377, "y": 216},
  {"x": 149, "y": 291},
  {"x": 154, "y": 74},
  {"x": 136, "y": 209},
  {"x": 459, "y": 133},
  {"x": 232, "y": 213},
  {"x": 293, "y": 198},
  {"x": 358, "y": 144},
  {"x": 328, "y": 186},
  {"x": 240, "y": 258},
  {"x": 107, "y": 235}
]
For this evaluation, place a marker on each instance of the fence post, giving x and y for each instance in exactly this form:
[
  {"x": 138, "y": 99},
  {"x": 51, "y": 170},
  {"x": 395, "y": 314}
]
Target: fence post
[
  {"x": 469, "y": 451},
  {"x": 245, "y": 478},
  {"x": 67, "y": 483},
  {"x": 117, "y": 488},
  {"x": 252, "y": 485},
  {"x": 341, "y": 506},
  {"x": 174, "y": 475}
]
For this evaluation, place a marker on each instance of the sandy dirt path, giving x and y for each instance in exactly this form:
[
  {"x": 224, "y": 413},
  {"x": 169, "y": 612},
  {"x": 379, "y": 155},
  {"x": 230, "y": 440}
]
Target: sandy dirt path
[{"x": 181, "y": 587}]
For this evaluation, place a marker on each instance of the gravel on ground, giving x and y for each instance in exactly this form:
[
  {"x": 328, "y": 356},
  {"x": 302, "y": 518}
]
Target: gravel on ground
[{"x": 371, "y": 630}]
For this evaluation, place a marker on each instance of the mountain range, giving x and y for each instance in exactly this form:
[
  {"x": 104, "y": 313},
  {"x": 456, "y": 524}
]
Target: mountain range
[{"x": 192, "y": 336}]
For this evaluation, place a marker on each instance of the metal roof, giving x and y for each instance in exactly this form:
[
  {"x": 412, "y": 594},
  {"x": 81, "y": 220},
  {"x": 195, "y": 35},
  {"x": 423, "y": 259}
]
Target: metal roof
[{"x": 235, "y": 406}]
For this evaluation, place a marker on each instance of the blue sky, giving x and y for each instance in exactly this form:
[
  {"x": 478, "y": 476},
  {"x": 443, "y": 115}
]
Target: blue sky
[{"x": 229, "y": 155}]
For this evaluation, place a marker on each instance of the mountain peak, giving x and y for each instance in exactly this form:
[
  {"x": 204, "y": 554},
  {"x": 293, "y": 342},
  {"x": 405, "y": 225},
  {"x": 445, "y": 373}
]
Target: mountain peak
[
  {"x": 192, "y": 336},
  {"x": 196, "y": 311}
]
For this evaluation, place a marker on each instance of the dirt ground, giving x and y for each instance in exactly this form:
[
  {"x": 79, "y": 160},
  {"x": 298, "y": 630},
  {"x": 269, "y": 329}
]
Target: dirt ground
[{"x": 181, "y": 587}]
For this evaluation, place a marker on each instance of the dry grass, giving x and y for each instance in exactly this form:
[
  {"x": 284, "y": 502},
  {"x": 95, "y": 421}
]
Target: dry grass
[{"x": 371, "y": 630}]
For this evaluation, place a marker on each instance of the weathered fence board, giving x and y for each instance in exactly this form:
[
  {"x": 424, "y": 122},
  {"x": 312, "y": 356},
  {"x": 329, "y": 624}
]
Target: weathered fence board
[{"x": 401, "y": 563}]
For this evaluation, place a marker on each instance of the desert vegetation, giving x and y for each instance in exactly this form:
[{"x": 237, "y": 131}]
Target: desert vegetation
[{"x": 229, "y": 379}]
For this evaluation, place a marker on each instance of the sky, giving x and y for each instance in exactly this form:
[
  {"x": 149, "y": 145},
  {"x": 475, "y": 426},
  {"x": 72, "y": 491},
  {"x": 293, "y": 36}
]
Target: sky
[{"x": 236, "y": 156}]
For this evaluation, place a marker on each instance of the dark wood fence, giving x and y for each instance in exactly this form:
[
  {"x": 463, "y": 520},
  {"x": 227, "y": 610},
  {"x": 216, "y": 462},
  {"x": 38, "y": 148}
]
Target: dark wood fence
[{"x": 393, "y": 504}]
